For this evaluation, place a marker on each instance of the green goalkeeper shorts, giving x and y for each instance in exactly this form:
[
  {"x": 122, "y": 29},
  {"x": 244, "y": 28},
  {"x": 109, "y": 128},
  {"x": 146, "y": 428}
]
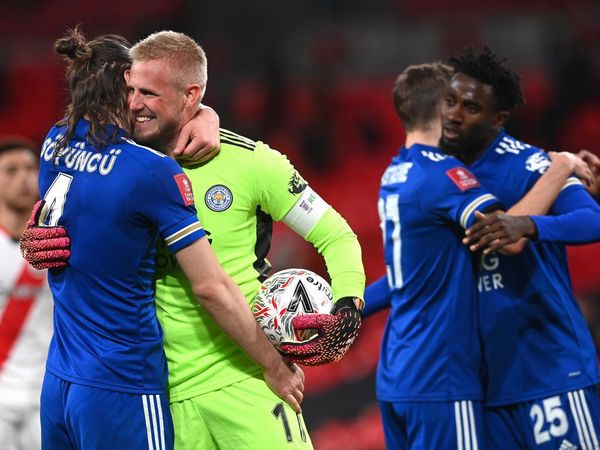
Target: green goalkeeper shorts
[{"x": 244, "y": 415}]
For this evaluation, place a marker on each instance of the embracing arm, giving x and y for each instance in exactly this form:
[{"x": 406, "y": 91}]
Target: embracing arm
[
  {"x": 44, "y": 247},
  {"x": 577, "y": 220},
  {"x": 544, "y": 192},
  {"x": 593, "y": 161},
  {"x": 199, "y": 139},
  {"x": 509, "y": 231},
  {"x": 223, "y": 300}
]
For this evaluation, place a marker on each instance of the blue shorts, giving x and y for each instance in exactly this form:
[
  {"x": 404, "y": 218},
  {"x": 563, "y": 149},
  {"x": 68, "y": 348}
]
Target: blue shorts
[
  {"x": 453, "y": 425},
  {"x": 77, "y": 417},
  {"x": 568, "y": 421}
]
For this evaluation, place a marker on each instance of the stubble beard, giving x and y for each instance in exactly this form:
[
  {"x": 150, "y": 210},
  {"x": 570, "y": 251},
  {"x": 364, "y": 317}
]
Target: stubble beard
[
  {"x": 463, "y": 148},
  {"x": 162, "y": 140},
  {"x": 449, "y": 147}
]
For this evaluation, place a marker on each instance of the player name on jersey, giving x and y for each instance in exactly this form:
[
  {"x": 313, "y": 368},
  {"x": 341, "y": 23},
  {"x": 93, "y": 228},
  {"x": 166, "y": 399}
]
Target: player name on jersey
[{"x": 77, "y": 158}]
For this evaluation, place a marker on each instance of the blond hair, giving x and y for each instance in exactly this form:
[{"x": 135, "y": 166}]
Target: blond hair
[{"x": 184, "y": 54}]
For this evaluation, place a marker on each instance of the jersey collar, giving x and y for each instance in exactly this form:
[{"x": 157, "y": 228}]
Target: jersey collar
[
  {"x": 490, "y": 148},
  {"x": 83, "y": 127}
]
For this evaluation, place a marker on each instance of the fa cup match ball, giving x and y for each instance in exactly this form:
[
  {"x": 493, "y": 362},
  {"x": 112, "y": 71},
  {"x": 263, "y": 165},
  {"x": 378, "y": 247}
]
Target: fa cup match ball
[{"x": 285, "y": 295}]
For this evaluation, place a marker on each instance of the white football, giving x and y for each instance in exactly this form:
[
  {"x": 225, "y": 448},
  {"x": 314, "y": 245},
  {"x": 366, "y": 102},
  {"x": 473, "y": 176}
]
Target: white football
[{"x": 285, "y": 295}]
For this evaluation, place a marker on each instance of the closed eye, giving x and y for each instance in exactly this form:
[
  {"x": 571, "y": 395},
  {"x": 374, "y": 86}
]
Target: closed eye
[{"x": 472, "y": 108}]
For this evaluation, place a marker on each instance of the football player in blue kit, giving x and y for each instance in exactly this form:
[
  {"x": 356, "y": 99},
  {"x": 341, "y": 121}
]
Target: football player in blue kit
[
  {"x": 106, "y": 372},
  {"x": 541, "y": 364},
  {"x": 429, "y": 383}
]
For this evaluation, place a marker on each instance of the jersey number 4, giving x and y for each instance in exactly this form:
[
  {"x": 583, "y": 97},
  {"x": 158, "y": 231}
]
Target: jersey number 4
[{"x": 56, "y": 196}]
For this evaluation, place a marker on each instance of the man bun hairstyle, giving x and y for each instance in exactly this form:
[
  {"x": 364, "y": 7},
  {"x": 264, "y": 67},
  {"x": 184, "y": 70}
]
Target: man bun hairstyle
[
  {"x": 491, "y": 69},
  {"x": 96, "y": 84}
]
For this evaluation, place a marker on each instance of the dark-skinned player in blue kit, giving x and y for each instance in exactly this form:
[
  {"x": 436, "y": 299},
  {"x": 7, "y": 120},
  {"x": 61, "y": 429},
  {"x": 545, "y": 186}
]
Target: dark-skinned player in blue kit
[
  {"x": 476, "y": 116},
  {"x": 429, "y": 383},
  {"x": 541, "y": 365}
]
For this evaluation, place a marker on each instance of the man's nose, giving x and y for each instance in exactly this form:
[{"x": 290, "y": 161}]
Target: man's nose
[
  {"x": 134, "y": 101},
  {"x": 453, "y": 113}
]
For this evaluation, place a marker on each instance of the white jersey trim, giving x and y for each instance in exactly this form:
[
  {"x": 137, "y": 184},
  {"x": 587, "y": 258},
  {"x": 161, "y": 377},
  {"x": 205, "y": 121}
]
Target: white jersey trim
[
  {"x": 306, "y": 212},
  {"x": 472, "y": 207},
  {"x": 183, "y": 233},
  {"x": 156, "y": 152},
  {"x": 572, "y": 181}
]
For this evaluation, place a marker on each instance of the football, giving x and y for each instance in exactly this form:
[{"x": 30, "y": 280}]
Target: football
[{"x": 285, "y": 295}]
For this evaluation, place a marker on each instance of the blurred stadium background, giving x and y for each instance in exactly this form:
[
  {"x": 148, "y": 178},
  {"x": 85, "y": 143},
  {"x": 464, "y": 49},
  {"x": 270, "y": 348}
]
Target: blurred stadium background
[{"x": 313, "y": 79}]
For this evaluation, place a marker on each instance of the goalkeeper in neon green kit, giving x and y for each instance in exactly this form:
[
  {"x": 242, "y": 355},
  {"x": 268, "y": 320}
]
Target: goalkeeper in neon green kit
[{"x": 218, "y": 396}]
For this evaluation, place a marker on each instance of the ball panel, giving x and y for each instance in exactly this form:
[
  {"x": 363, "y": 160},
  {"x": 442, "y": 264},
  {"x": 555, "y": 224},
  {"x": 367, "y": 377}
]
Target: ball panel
[{"x": 286, "y": 294}]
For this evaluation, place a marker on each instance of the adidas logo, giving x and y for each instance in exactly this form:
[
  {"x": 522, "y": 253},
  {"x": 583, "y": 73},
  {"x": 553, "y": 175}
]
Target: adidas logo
[{"x": 566, "y": 445}]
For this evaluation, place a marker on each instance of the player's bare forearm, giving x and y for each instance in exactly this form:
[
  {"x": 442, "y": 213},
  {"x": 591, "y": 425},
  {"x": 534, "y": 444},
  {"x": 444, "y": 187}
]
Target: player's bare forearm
[
  {"x": 229, "y": 309},
  {"x": 542, "y": 195},
  {"x": 224, "y": 301}
]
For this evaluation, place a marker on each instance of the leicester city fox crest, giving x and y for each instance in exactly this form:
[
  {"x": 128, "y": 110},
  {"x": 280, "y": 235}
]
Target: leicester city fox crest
[
  {"x": 538, "y": 162},
  {"x": 218, "y": 198},
  {"x": 296, "y": 184}
]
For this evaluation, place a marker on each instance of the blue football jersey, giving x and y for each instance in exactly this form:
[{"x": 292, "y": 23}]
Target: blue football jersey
[
  {"x": 114, "y": 203},
  {"x": 431, "y": 348},
  {"x": 536, "y": 341}
]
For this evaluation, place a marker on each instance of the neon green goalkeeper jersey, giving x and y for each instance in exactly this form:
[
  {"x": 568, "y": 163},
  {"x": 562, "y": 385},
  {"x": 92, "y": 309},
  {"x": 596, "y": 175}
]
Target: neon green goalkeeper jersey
[{"x": 239, "y": 193}]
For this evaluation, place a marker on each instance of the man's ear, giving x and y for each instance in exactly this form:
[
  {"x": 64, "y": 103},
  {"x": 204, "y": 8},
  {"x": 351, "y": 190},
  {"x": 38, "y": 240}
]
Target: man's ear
[
  {"x": 500, "y": 119},
  {"x": 193, "y": 95}
]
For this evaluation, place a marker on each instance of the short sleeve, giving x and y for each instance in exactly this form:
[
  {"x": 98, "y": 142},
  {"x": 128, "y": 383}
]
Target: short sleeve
[
  {"x": 166, "y": 199},
  {"x": 458, "y": 194}
]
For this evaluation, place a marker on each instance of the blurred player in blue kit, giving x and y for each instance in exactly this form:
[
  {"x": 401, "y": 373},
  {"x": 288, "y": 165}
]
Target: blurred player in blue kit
[
  {"x": 428, "y": 379},
  {"x": 541, "y": 364},
  {"x": 106, "y": 373},
  {"x": 474, "y": 113}
]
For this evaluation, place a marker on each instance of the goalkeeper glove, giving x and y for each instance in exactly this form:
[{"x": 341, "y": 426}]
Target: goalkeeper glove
[
  {"x": 44, "y": 247},
  {"x": 335, "y": 334}
]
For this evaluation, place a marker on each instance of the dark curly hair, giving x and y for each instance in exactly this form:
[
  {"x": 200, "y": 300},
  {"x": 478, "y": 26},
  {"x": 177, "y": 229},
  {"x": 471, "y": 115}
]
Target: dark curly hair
[
  {"x": 491, "y": 69},
  {"x": 96, "y": 84}
]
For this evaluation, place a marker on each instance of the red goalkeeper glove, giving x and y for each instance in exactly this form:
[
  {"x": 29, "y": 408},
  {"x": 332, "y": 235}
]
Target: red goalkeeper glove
[
  {"x": 335, "y": 334},
  {"x": 44, "y": 247}
]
